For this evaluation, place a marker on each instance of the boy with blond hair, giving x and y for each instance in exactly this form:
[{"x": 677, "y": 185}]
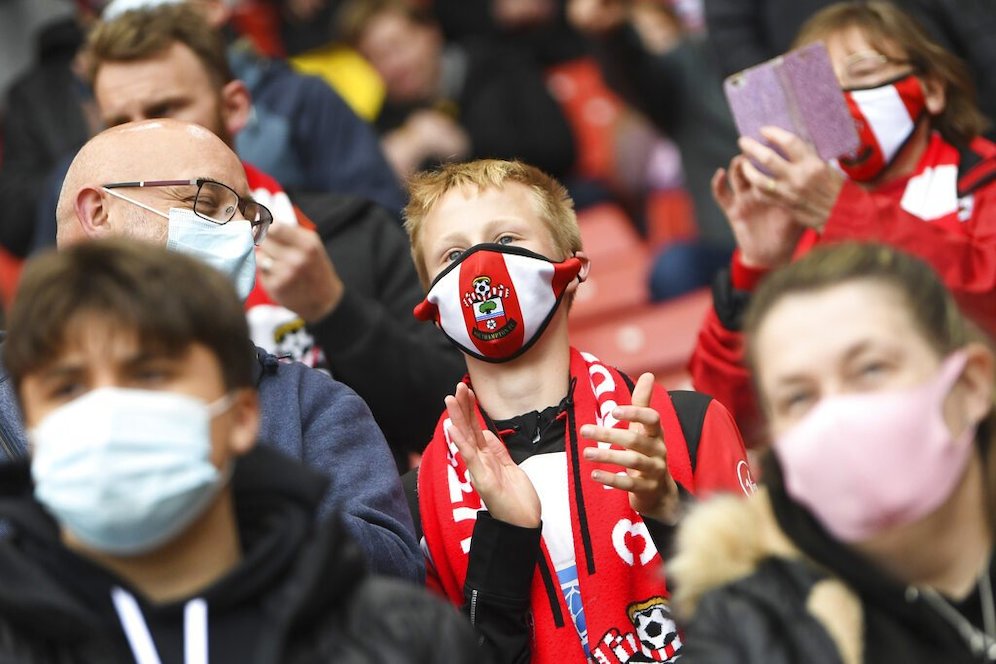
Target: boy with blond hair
[{"x": 538, "y": 428}]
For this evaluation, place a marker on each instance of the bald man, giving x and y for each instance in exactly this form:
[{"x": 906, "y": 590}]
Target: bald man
[
  {"x": 154, "y": 181},
  {"x": 340, "y": 299}
]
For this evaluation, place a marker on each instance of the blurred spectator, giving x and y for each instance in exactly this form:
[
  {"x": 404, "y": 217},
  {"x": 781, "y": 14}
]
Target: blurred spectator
[
  {"x": 454, "y": 101},
  {"x": 922, "y": 179},
  {"x": 872, "y": 537},
  {"x": 20, "y": 21},
  {"x": 299, "y": 130},
  {"x": 535, "y": 27},
  {"x": 350, "y": 314},
  {"x": 669, "y": 74},
  {"x": 150, "y": 526},
  {"x": 747, "y": 32},
  {"x": 49, "y": 114},
  {"x": 304, "y": 24}
]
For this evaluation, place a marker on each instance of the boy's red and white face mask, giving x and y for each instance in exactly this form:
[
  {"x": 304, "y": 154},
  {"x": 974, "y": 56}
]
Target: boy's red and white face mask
[
  {"x": 886, "y": 117},
  {"x": 494, "y": 302}
]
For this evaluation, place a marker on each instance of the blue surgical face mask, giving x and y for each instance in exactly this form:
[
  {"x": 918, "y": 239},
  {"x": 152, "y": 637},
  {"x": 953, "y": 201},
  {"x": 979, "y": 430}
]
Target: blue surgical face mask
[
  {"x": 227, "y": 247},
  {"x": 127, "y": 470}
]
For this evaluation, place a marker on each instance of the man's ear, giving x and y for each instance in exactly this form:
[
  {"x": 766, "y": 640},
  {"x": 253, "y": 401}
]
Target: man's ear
[
  {"x": 236, "y": 105},
  {"x": 245, "y": 421},
  {"x": 935, "y": 94},
  {"x": 977, "y": 381},
  {"x": 92, "y": 213}
]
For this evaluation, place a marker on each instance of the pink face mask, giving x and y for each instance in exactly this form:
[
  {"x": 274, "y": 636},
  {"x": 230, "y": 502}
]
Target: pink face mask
[
  {"x": 861, "y": 463},
  {"x": 885, "y": 117},
  {"x": 494, "y": 302}
]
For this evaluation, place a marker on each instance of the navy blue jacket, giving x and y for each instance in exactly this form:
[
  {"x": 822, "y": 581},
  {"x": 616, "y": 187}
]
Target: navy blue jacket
[
  {"x": 303, "y": 134},
  {"x": 311, "y": 417}
]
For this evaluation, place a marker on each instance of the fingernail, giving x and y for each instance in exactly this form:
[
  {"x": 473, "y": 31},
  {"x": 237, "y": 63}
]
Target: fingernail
[
  {"x": 589, "y": 453},
  {"x": 586, "y": 430},
  {"x": 617, "y": 412},
  {"x": 596, "y": 475}
]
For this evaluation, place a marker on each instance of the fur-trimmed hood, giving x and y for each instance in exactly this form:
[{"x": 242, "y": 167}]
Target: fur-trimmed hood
[{"x": 726, "y": 539}]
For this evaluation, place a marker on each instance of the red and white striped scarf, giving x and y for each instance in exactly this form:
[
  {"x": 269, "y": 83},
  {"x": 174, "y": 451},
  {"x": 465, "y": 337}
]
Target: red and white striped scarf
[{"x": 619, "y": 568}]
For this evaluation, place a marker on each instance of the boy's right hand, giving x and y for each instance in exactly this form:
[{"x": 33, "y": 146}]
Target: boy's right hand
[{"x": 504, "y": 488}]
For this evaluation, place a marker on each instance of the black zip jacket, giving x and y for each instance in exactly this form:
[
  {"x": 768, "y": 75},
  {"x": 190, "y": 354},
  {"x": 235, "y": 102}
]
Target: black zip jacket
[{"x": 300, "y": 594}]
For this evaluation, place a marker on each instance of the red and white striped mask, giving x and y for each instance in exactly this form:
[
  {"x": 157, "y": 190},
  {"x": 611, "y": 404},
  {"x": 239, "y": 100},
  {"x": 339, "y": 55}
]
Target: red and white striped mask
[
  {"x": 885, "y": 116},
  {"x": 494, "y": 302}
]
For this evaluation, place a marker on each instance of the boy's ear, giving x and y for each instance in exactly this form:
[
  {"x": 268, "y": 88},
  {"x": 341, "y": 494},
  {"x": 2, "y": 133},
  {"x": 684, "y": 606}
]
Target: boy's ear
[
  {"x": 582, "y": 273},
  {"x": 245, "y": 421}
]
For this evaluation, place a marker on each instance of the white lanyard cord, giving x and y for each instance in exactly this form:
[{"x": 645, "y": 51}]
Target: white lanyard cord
[
  {"x": 195, "y": 635},
  {"x": 195, "y": 631}
]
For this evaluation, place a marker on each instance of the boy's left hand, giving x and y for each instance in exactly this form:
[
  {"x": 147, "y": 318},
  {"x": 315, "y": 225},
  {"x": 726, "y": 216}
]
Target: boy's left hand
[{"x": 652, "y": 490}]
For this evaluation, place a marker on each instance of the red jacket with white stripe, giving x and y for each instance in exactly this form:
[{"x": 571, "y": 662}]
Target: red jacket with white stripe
[{"x": 944, "y": 212}]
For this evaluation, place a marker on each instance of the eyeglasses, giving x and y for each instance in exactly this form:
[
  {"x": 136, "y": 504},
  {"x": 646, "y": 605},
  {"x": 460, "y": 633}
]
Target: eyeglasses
[
  {"x": 215, "y": 202},
  {"x": 868, "y": 69}
]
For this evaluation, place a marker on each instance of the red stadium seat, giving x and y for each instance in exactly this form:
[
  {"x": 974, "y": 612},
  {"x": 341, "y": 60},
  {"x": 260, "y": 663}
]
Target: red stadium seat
[
  {"x": 10, "y": 273},
  {"x": 619, "y": 264},
  {"x": 653, "y": 337},
  {"x": 607, "y": 232},
  {"x": 259, "y": 20},
  {"x": 670, "y": 217},
  {"x": 615, "y": 284},
  {"x": 592, "y": 110}
]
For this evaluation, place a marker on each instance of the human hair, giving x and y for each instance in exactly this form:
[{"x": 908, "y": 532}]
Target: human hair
[
  {"x": 553, "y": 205},
  {"x": 169, "y": 300},
  {"x": 140, "y": 34},
  {"x": 888, "y": 28},
  {"x": 355, "y": 16},
  {"x": 933, "y": 310}
]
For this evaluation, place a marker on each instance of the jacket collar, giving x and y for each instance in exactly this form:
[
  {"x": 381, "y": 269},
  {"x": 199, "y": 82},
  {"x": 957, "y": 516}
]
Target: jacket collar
[{"x": 728, "y": 539}]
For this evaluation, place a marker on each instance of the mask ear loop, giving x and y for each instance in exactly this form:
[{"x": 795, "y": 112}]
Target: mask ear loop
[
  {"x": 221, "y": 404},
  {"x": 131, "y": 200}
]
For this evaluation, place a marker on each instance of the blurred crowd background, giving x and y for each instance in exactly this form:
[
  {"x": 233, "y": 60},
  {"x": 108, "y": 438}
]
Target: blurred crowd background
[{"x": 620, "y": 99}]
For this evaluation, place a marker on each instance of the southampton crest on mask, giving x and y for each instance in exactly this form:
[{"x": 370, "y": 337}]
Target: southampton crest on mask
[
  {"x": 487, "y": 302},
  {"x": 495, "y": 300}
]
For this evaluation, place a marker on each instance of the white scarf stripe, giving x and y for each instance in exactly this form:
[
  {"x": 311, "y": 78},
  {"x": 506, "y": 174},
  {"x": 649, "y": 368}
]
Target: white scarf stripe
[{"x": 531, "y": 301}]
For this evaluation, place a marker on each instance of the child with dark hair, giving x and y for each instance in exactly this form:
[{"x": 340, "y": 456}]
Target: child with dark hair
[{"x": 148, "y": 526}]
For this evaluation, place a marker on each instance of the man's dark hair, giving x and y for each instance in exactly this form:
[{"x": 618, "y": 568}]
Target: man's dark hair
[{"x": 169, "y": 300}]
